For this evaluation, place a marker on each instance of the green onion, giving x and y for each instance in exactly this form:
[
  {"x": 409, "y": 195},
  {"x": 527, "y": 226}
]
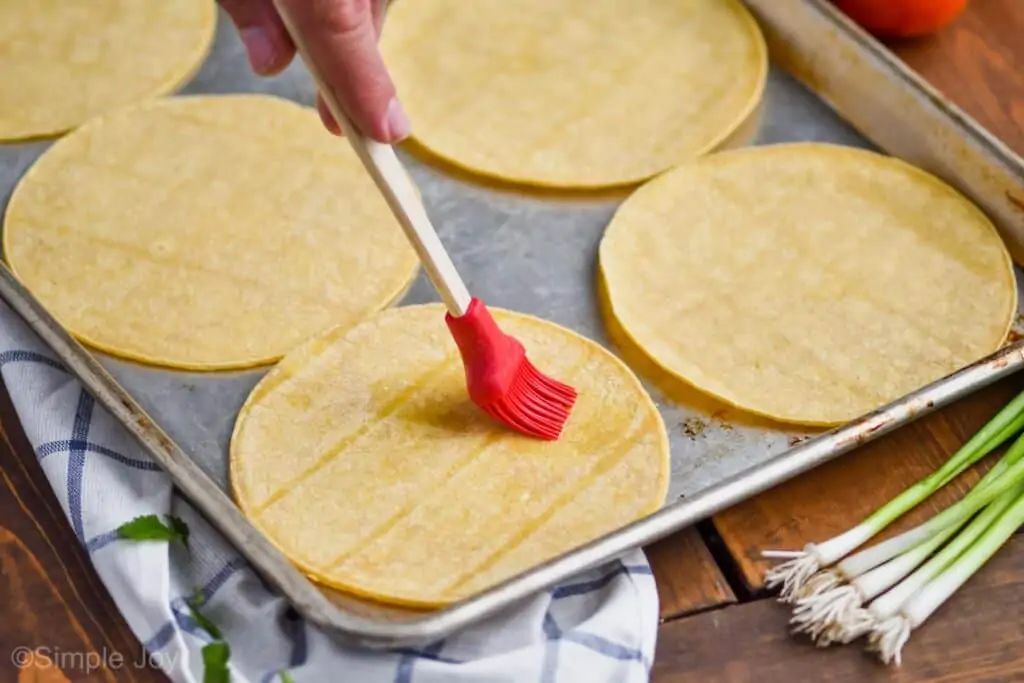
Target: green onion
[
  {"x": 889, "y": 604},
  {"x": 798, "y": 576},
  {"x": 944, "y": 574},
  {"x": 857, "y": 564},
  {"x": 835, "y": 614},
  {"x": 955, "y": 514}
]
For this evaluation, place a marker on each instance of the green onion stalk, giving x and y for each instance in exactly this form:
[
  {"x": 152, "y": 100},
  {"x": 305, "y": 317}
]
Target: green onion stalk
[
  {"x": 801, "y": 576},
  {"x": 835, "y": 614}
]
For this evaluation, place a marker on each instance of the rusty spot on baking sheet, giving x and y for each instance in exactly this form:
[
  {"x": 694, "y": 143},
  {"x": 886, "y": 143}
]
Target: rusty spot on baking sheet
[
  {"x": 917, "y": 406},
  {"x": 874, "y": 428},
  {"x": 1000, "y": 362},
  {"x": 1016, "y": 332},
  {"x": 863, "y": 431},
  {"x": 794, "y": 440},
  {"x": 693, "y": 427}
]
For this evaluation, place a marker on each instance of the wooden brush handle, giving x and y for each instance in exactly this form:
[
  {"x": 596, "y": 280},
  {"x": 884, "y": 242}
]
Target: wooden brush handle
[{"x": 391, "y": 177}]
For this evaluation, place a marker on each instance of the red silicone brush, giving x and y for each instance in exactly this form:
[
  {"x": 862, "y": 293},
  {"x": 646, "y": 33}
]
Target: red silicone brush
[{"x": 500, "y": 379}]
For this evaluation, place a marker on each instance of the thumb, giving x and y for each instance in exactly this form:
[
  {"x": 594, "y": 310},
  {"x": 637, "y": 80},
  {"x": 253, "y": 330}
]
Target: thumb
[
  {"x": 341, "y": 37},
  {"x": 266, "y": 41}
]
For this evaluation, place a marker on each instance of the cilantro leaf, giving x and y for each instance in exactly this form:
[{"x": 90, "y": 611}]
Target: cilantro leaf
[
  {"x": 195, "y": 602},
  {"x": 286, "y": 677},
  {"x": 178, "y": 524},
  {"x": 215, "y": 663},
  {"x": 150, "y": 528}
]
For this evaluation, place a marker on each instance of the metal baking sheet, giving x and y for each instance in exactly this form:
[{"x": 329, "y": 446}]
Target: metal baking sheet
[
  {"x": 516, "y": 251},
  {"x": 530, "y": 252}
]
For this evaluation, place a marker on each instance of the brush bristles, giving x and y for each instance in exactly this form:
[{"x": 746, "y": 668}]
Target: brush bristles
[{"x": 534, "y": 404}]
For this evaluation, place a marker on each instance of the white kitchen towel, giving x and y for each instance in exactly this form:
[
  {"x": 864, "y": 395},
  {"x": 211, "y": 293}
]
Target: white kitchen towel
[{"x": 600, "y": 627}]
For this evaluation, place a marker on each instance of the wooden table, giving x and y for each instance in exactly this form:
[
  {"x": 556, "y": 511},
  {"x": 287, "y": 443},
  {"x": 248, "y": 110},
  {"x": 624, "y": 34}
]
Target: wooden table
[{"x": 717, "y": 623}]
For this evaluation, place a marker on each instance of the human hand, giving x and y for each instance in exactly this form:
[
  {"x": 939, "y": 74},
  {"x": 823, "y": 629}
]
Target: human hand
[{"x": 342, "y": 40}]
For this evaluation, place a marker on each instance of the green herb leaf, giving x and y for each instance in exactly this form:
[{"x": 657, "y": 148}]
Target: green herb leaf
[
  {"x": 286, "y": 677},
  {"x": 195, "y": 602},
  {"x": 151, "y": 528},
  {"x": 215, "y": 663},
  {"x": 178, "y": 524}
]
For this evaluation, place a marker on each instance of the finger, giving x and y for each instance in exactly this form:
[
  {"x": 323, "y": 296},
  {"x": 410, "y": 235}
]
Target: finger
[
  {"x": 266, "y": 41},
  {"x": 326, "y": 117},
  {"x": 380, "y": 8},
  {"x": 342, "y": 41}
]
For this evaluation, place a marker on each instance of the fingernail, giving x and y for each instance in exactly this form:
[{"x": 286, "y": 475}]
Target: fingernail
[
  {"x": 396, "y": 121},
  {"x": 260, "y": 49}
]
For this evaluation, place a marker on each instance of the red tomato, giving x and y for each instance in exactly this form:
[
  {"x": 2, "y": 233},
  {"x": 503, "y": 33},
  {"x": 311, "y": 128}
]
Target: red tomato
[{"x": 902, "y": 18}]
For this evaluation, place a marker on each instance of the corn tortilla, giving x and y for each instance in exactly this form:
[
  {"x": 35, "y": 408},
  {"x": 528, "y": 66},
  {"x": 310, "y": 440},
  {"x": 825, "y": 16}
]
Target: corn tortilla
[
  {"x": 806, "y": 283},
  {"x": 65, "y": 61},
  {"x": 576, "y": 93},
  {"x": 361, "y": 458},
  {"x": 205, "y": 232}
]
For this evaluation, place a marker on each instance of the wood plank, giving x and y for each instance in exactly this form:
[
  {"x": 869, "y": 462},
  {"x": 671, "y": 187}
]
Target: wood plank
[
  {"x": 687, "y": 576},
  {"x": 839, "y": 494},
  {"x": 52, "y": 601},
  {"x": 973, "y": 638},
  {"x": 978, "y": 63}
]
